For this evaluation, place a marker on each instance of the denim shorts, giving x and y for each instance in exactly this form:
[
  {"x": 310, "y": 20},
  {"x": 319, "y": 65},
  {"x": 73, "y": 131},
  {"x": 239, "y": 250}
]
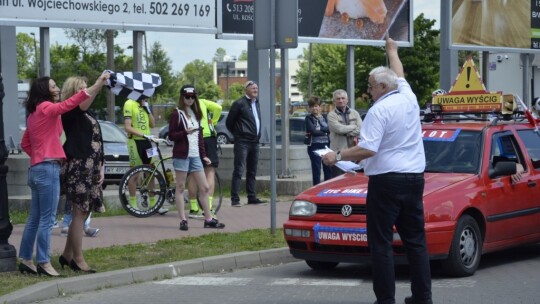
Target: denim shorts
[{"x": 190, "y": 164}]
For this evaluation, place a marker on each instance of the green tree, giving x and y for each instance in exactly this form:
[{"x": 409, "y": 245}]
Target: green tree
[
  {"x": 421, "y": 64},
  {"x": 89, "y": 40},
  {"x": 158, "y": 62},
  {"x": 26, "y": 56},
  {"x": 219, "y": 55},
  {"x": 243, "y": 56}
]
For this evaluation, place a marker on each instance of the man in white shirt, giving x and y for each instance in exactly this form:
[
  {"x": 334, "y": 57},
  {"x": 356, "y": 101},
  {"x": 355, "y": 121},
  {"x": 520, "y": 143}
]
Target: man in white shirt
[{"x": 392, "y": 151}]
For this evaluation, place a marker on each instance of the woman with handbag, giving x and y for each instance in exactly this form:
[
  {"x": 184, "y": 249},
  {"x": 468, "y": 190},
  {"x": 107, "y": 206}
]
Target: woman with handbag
[{"x": 317, "y": 130}]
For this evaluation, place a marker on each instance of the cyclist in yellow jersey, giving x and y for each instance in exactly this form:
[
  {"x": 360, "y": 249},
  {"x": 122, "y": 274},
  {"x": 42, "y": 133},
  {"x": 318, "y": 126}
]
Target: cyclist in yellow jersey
[
  {"x": 208, "y": 124},
  {"x": 138, "y": 121}
]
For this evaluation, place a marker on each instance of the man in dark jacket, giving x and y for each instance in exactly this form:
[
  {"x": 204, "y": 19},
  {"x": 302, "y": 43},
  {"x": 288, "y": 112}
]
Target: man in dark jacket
[{"x": 244, "y": 122}]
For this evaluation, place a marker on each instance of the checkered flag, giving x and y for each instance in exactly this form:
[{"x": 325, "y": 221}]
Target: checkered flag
[{"x": 133, "y": 85}]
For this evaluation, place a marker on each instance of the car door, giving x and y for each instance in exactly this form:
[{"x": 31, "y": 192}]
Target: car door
[
  {"x": 531, "y": 140},
  {"x": 508, "y": 209}
]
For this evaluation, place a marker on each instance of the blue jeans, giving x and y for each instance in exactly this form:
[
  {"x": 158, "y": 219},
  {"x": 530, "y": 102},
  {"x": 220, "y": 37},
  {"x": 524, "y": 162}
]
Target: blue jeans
[
  {"x": 316, "y": 163},
  {"x": 44, "y": 181},
  {"x": 397, "y": 199},
  {"x": 246, "y": 155}
]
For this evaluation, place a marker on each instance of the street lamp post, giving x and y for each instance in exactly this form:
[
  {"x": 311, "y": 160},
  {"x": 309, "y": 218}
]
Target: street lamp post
[
  {"x": 8, "y": 254},
  {"x": 35, "y": 55}
]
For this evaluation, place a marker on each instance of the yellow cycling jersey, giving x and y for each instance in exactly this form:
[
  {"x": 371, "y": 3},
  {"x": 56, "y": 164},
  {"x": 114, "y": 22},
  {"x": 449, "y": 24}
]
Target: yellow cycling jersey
[{"x": 139, "y": 118}]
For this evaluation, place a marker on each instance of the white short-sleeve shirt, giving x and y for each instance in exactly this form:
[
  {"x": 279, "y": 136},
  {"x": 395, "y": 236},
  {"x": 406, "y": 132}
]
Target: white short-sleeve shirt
[{"x": 393, "y": 131}]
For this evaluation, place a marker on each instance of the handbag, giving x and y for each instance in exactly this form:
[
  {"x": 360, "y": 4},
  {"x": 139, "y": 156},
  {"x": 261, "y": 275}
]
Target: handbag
[{"x": 307, "y": 139}]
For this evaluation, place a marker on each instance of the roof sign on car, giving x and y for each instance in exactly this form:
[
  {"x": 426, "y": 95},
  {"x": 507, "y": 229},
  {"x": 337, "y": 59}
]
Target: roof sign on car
[{"x": 468, "y": 93}]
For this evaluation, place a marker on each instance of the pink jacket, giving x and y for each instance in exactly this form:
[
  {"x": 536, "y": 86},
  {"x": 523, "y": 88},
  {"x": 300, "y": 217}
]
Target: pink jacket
[{"x": 41, "y": 140}]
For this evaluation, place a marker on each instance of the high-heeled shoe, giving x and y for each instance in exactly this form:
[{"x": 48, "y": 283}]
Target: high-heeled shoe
[
  {"x": 76, "y": 268},
  {"x": 25, "y": 268},
  {"x": 41, "y": 270},
  {"x": 63, "y": 261}
]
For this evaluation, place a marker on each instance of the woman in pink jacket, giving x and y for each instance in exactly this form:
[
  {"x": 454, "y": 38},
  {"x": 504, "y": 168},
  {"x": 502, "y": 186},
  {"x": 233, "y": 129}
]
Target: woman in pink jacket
[{"x": 41, "y": 141}]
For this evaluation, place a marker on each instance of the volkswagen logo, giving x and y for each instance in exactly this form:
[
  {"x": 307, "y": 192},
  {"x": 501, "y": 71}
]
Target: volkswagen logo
[{"x": 346, "y": 210}]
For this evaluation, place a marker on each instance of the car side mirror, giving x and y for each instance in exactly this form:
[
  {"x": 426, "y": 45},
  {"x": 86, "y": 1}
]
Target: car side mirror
[{"x": 502, "y": 168}]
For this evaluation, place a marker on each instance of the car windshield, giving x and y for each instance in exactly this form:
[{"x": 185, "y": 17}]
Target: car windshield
[
  {"x": 112, "y": 133},
  {"x": 456, "y": 151}
]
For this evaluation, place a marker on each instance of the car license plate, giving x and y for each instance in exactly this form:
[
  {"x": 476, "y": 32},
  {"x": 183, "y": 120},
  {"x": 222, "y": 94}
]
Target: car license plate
[
  {"x": 116, "y": 170},
  {"x": 340, "y": 236}
]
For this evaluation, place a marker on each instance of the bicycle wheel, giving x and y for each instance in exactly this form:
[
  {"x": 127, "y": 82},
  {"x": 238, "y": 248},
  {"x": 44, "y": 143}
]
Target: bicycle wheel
[{"x": 149, "y": 194}]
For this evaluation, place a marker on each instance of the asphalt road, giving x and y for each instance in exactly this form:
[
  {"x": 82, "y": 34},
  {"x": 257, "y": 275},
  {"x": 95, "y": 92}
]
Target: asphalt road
[{"x": 507, "y": 277}]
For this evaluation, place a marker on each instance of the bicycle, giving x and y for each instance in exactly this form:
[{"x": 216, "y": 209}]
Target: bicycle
[{"x": 163, "y": 190}]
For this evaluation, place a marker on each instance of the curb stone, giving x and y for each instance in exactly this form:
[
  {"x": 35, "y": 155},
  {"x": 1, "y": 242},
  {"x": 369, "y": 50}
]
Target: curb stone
[{"x": 91, "y": 282}]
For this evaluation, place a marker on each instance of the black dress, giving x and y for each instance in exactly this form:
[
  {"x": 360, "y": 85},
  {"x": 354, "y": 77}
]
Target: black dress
[{"x": 81, "y": 175}]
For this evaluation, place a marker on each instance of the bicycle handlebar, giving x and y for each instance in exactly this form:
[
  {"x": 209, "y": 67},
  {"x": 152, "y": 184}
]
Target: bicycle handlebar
[{"x": 156, "y": 140}]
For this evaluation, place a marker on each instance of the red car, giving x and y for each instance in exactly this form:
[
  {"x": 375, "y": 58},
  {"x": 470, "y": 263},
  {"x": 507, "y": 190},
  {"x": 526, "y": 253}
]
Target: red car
[{"x": 471, "y": 204}]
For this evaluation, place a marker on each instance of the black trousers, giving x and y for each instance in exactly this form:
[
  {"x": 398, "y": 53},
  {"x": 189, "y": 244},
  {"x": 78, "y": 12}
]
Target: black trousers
[
  {"x": 246, "y": 156},
  {"x": 396, "y": 199}
]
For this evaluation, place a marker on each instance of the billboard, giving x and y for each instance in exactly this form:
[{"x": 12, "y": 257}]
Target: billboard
[
  {"x": 495, "y": 25},
  {"x": 352, "y": 22},
  {"x": 190, "y": 16}
]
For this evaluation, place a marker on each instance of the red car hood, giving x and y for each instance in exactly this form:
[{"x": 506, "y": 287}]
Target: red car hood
[{"x": 352, "y": 186}]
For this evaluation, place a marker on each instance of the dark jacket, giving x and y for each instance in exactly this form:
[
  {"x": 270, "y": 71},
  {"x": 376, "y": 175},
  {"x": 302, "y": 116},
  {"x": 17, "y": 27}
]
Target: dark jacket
[
  {"x": 312, "y": 124},
  {"x": 178, "y": 134},
  {"x": 241, "y": 122},
  {"x": 78, "y": 130}
]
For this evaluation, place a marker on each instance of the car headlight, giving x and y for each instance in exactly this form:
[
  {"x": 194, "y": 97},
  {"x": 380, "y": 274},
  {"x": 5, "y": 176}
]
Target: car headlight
[{"x": 303, "y": 208}]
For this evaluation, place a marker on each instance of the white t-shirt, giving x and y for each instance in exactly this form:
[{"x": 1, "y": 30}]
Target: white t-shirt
[
  {"x": 393, "y": 131},
  {"x": 193, "y": 138}
]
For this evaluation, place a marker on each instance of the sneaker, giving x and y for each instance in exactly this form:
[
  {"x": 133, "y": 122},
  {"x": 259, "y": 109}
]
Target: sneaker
[
  {"x": 235, "y": 204},
  {"x": 183, "y": 225},
  {"x": 213, "y": 223},
  {"x": 162, "y": 211},
  {"x": 91, "y": 232},
  {"x": 64, "y": 231},
  {"x": 55, "y": 224},
  {"x": 196, "y": 214},
  {"x": 256, "y": 201}
]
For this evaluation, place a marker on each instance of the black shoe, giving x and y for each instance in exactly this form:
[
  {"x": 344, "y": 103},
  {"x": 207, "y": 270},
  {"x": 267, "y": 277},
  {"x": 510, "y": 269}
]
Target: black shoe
[
  {"x": 23, "y": 268},
  {"x": 213, "y": 223},
  {"x": 256, "y": 201},
  {"x": 41, "y": 270},
  {"x": 411, "y": 300},
  {"x": 76, "y": 267},
  {"x": 63, "y": 261},
  {"x": 183, "y": 225},
  {"x": 235, "y": 204}
]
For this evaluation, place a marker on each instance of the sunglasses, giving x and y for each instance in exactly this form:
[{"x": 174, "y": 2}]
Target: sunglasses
[{"x": 189, "y": 96}]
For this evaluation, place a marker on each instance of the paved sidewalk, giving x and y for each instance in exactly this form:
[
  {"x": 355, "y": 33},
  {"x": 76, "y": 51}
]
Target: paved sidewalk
[{"x": 122, "y": 230}]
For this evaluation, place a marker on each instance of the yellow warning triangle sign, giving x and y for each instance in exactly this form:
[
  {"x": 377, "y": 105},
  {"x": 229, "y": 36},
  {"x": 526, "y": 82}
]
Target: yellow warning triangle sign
[{"x": 468, "y": 79}]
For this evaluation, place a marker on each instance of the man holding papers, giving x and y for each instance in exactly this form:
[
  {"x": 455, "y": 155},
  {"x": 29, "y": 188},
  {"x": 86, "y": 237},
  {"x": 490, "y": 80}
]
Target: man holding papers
[{"x": 393, "y": 153}]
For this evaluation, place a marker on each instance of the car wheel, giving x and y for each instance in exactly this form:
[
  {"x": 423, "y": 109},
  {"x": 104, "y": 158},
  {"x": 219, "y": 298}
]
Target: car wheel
[
  {"x": 168, "y": 141},
  {"x": 222, "y": 139},
  {"x": 466, "y": 249},
  {"x": 318, "y": 265}
]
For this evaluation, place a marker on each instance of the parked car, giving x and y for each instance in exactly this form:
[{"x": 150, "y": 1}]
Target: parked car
[
  {"x": 297, "y": 131},
  {"x": 116, "y": 152},
  {"x": 223, "y": 134},
  {"x": 471, "y": 205}
]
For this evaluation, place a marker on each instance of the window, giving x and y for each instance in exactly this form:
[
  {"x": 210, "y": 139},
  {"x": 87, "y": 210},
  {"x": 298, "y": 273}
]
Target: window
[
  {"x": 504, "y": 147},
  {"x": 531, "y": 140}
]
